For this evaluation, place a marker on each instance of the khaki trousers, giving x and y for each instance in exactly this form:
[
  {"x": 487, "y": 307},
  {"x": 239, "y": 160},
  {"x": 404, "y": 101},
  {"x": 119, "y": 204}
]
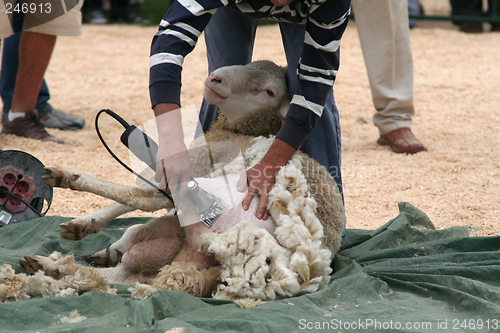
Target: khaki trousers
[{"x": 383, "y": 29}]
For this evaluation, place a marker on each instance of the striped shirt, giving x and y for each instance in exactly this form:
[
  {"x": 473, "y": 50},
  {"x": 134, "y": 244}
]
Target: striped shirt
[{"x": 325, "y": 22}]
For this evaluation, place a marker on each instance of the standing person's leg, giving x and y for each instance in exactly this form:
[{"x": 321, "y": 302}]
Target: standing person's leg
[
  {"x": 491, "y": 11},
  {"x": 414, "y": 8},
  {"x": 93, "y": 12},
  {"x": 323, "y": 143},
  {"x": 23, "y": 119},
  {"x": 384, "y": 35},
  {"x": 383, "y": 30},
  {"x": 35, "y": 50},
  {"x": 8, "y": 74},
  {"x": 10, "y": 63},
  {"x": 31, "y": 69},
  {"x": 49, "y": 116},
  {"x": 467, "y": 8},
  {"x": 233, "y": 47}
]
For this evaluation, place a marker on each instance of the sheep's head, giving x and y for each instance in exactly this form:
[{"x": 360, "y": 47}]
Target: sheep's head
[{"x": 242, "y": 92}]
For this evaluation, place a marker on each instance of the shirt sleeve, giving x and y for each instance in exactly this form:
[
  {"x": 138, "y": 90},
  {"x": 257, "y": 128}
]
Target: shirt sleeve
[
  {"x": 176, "y": 37},
  {"x": 317, "y": 70}
]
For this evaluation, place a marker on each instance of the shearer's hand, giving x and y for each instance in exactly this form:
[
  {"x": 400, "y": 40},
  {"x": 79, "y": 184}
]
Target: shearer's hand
[
  {"x": 262, "y": 176},
  {"x": 173, "y": 166}
]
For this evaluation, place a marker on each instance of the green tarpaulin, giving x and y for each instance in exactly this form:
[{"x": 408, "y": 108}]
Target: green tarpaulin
[{"x": 403, "y": 277}]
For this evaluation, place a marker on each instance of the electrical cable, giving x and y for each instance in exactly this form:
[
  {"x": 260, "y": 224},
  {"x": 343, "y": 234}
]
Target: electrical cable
[
  {"x": 126, "y": 126},
  {"x": 4, "y": 192}
]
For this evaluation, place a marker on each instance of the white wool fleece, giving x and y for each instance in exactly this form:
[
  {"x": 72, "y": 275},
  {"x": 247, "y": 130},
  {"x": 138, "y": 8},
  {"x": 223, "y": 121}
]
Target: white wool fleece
[{"x": 258, "y": 265}]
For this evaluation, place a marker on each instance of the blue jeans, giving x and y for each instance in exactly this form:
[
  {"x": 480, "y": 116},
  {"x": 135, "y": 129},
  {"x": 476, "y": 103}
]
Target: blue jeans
[
  {"x": 8, "y": 74},
  {"x": 234, "y": 46},
  {"x": 414, "y": 8}
]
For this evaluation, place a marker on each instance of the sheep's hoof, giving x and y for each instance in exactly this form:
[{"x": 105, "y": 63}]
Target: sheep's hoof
[
  {"x": 48, "y": 265},
  {"x": 57, "y": 177},
  {"x": 100, "y": 261},
  {"x": 76, "y": 229},
  {"x": 109, "y": 257},
  {"x": 73, "y": 231},
  {"x": 30, "y": 265}
]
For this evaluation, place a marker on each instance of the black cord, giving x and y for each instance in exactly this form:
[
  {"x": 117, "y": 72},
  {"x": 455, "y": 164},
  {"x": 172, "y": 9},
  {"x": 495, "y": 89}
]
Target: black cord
[
  {"x": 125, "y": 125},
  {"x": 5, "y": 192},
  {"x": 115, "y": 116}
]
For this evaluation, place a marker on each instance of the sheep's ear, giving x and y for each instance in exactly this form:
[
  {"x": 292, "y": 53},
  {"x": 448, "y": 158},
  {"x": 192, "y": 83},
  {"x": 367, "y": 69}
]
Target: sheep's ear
[{"x": 283, "y": 110}]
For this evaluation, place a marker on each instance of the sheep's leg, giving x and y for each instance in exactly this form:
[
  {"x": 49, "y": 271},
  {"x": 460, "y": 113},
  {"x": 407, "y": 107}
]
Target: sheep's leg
[
  {"x": 145, "y": 248},
  {"x": 190, "y": 271},
  {"x": 114, "y": 253},
  {"x": 153, "y": 245},
  {"x": 31, "y": 264},
  {"x": 59, "y": 267},
  {"x": 92, "y": 223},
  {"x": 144, "y": 199},
  {"x": 78, "y": 277},
  {"x": 49, "y": 265},
  {"x": 185, "y": 277}
]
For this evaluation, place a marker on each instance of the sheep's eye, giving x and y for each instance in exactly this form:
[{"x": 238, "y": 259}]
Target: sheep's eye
[{"x": 270, "y": 93}]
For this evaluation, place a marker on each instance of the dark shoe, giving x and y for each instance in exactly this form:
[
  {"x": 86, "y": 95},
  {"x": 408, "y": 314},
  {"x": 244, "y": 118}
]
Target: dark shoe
[
  {"x": 401, "y": 140},
  {"x": 53, "y": 118},
  {"x": 28, "y": 127},
  {"x": 495, "y": 27},
  {"x": 471, "y": 27}
]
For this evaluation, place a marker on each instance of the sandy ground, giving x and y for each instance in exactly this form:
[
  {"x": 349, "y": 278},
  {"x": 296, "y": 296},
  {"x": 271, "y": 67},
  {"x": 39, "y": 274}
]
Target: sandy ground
[{"x": 457, "y": 96}]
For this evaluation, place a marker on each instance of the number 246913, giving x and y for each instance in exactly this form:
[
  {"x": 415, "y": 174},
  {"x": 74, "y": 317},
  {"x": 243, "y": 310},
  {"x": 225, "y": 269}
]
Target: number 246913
[{"x": 41, "y": 8}]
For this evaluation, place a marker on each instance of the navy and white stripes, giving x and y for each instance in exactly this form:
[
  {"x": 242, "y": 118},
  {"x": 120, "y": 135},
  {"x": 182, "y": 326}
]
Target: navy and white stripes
[{"x": 325, "y": 22}]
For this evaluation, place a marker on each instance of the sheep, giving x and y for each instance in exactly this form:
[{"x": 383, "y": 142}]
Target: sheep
[{"x": 240, "y": 256}]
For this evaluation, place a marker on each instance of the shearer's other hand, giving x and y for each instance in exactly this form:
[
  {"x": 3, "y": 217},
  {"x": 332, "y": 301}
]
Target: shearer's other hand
[{"x": 262, "y": 176}]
